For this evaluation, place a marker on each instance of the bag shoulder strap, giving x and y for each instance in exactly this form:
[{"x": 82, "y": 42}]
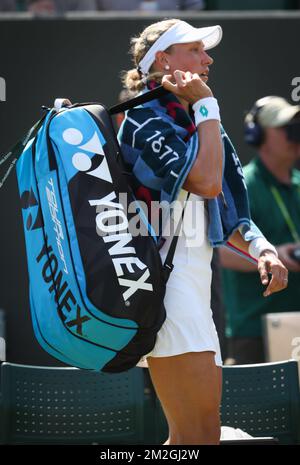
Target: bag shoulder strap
[
  {"x": 18, "y": 148},
  {"x": 168, "y": 264},
  {"x": 139, "y": 100}
]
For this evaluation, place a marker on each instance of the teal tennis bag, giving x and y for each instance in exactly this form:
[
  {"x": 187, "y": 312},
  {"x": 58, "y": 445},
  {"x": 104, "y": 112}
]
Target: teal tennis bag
[{"x": 96, "y": 288}]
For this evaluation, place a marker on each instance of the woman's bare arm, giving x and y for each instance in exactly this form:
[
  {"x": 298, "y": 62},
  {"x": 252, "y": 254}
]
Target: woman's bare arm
[
  {"x": 268, "y": 263},
  {"x": 233, "y": 261}
]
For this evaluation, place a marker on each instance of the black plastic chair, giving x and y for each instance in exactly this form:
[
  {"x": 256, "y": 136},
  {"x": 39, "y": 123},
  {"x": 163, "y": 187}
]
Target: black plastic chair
[
  {"x": 43, "y": 405},
  {"x": 263, "y": 400}
]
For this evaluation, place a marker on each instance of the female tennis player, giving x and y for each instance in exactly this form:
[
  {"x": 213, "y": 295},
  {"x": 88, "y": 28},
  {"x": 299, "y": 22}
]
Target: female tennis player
[{"x": 176, "y": 145}]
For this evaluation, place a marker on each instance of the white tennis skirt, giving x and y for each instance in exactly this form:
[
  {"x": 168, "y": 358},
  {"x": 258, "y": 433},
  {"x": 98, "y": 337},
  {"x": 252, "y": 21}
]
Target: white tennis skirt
[{"x": 189, "y": 325}]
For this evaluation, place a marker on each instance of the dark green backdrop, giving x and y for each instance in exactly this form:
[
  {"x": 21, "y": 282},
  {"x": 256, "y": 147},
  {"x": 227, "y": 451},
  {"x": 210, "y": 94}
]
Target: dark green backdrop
[{"x": 82, "y": 59}]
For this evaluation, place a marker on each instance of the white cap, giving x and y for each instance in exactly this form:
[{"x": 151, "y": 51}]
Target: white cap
[
  {"x": 275, "y": 111},
  {"x": 181, "y": 33}
]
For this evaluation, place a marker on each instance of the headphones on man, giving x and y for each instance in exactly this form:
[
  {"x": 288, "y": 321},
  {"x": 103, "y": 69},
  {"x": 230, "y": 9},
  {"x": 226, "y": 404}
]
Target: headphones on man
[{"x": 254, "y": 133}]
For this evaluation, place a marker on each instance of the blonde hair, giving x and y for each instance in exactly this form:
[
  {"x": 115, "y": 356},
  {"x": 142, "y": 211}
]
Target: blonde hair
[{"x": 133, "y": 79}]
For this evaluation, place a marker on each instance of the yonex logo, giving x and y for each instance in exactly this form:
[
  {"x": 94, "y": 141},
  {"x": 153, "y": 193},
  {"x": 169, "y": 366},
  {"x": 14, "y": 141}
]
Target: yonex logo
[
  {"x": 30, "y": 203},
  {"x": 118, "y": 233},
  {"x": 97, "y": 165},
  {"x": 204, "y": 111},
  {"x": 67, "y": 306},
  {"x": 108, "y": 209}
]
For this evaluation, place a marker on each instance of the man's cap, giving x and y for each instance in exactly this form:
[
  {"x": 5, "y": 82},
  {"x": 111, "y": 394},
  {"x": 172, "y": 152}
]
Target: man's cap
[{"x": 275, "y": 112}]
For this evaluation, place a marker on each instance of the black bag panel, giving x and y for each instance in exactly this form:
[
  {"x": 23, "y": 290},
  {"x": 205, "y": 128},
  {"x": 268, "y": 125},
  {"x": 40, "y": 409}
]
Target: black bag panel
[{"x": 102, "y": 284}]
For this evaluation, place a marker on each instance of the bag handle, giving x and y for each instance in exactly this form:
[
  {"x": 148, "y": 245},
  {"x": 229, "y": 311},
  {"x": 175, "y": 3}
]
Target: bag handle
[{"x": 18, "y": 148}]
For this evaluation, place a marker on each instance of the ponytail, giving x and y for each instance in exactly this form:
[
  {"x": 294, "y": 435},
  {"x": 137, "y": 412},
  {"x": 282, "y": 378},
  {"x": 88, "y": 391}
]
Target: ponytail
[{"x": 133, "y": 80}]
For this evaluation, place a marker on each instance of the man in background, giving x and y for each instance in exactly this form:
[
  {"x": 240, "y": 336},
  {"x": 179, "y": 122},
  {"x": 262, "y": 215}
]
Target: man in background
[{"x": 273, "y": 128}]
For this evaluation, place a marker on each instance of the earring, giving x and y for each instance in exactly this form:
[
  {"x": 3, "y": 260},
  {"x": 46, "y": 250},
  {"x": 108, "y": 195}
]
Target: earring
[{"x": 167, "y": 67}]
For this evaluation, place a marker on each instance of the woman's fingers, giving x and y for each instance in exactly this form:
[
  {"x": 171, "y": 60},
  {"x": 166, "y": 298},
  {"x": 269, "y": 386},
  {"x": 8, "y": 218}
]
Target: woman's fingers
[
  {"x": 186, "y": 85},
  {"x": 269, "y": 263},
  {"x": 167, "y": 82},
  {"x": 174, "y": 81},
  {"x": 276, "y": 284},
  {"x": 263, "y": 271},
  {"x": 180, "y": 77},
  {"x": 189, "y": 76}
]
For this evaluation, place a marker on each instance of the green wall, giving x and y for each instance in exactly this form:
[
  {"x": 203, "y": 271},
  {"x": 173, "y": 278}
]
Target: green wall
[{"x": 81, "y": 59}]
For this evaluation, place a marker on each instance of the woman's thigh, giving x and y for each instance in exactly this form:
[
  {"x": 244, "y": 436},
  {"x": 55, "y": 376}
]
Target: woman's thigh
[{"x": 189, "y": 388}]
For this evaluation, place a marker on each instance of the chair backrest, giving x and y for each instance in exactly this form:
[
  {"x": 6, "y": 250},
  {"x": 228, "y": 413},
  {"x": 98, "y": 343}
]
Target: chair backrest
[
  {"x": 43, "y": 405},
  {"x": 263, "y": 400}
]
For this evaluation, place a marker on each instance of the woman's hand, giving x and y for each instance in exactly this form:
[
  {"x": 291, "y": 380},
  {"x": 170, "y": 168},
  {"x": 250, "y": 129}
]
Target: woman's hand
[
  {"x": 269, "y": 263},
  {"x": 186, "y": 85}
]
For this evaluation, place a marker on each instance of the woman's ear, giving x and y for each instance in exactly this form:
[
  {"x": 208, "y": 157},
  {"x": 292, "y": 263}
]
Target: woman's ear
[{"x": 161, "y": 61}]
